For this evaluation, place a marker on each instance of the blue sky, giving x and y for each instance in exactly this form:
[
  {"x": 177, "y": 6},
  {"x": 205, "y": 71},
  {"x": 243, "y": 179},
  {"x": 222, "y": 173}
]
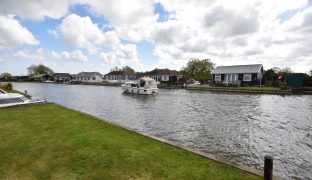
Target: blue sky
[{"x": 80, "y": 35}]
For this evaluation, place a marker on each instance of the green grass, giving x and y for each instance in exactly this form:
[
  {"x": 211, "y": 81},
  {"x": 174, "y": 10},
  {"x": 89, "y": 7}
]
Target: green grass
[{"x": 48, "y": 141}]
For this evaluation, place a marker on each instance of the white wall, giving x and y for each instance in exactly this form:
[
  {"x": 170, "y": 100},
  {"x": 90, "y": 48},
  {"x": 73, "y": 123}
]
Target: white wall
[
  {"x": 98, "y": 78},
  {"x": 160, "y": 78}
]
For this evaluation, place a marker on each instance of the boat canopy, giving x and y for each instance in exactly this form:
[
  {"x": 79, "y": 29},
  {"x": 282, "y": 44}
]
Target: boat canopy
[{"x": 147, "y": 82}]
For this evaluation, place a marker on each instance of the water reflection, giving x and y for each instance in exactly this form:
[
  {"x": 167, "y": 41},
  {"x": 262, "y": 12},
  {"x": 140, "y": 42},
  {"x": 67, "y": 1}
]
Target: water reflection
[{"x": 238, "y": 127}]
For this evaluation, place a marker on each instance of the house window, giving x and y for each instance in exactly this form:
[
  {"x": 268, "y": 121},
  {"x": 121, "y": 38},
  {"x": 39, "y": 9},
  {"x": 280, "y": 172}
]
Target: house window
[
  {"x": 231, "y": 77},
  {"x": 217, "y": 77},
  {"x": 165, "y": 78},
  {"x": 93, "y": 78},
  {"x": 247, "y": 77}
]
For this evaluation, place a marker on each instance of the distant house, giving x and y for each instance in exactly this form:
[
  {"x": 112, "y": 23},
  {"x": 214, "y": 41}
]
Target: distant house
[
  {"x": 164, "y": 75},
  {"x": 41, "y": 77},
  {"x": 92, "y": 77},
  {"x": 238, "y": 75},
  {"x": 120, "y": 76},
  {"x": 61, "y": 77},
  {"x": 19, "y": 78},
  {"x": 14, "y": 78}
]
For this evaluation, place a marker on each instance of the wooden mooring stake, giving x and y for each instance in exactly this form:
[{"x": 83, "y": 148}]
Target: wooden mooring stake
[{"x": 268, "y": 168}]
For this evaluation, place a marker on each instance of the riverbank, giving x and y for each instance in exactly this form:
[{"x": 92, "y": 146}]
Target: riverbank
[
  {"x": 50, "y": 141},
  {"x": 251, "y": 89},
  {"x": 8, "y": 88}
]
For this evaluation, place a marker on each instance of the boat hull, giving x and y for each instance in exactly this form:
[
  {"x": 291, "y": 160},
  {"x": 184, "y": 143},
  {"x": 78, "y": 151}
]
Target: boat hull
[{"x": 140, "y": 91}]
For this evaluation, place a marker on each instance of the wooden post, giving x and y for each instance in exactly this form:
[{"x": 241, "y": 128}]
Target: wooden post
[{"x": 268, "y": 168}]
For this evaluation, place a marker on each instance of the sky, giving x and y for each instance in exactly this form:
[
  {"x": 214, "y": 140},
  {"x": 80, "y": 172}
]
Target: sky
[{"x": 97, "y": 35}]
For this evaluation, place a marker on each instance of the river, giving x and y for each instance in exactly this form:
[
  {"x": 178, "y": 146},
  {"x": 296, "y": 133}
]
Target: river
[{"x": 240, "y": 128}]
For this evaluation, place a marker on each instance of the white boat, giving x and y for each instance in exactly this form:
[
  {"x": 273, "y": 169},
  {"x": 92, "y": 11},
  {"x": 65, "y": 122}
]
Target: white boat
[
  {"x": 13, "y": 99},
  {"x": 145, "y": 85}
]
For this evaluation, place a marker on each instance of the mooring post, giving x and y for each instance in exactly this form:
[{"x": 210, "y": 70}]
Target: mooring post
[{"x": 268, "y": 168}]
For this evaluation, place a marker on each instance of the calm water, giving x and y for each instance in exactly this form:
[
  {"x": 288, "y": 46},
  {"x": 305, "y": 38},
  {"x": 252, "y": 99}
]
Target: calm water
[{"x": 240, "y": 128}]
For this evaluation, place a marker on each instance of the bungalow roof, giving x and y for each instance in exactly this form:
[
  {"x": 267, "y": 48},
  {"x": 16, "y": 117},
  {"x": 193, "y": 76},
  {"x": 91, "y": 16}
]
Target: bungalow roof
[
  {"x": 163, "y": 72},
  {"x": 89, "y": 74},
  {"x": 121, "y": 73},
  {"x": 61, "y": 75},
  {"x": 39, "y": 75}
]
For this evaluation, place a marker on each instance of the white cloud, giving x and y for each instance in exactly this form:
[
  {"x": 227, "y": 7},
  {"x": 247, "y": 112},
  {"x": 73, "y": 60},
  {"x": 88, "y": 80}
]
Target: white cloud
[
  {"x": 75, "y": 55},
  {"x": 227, "y": 22},
  {"x": 234, "y": 32},
  {"x": 121, "y": 54},
  {"x": 43, "y": 55},
  {"x": 81, "y": 32},
  {"x": 53, "y": 33},
  {"x": 276, "y": 33},
  {"x": 12, "y": 33},
  {"x": 132, "y": 20},
  {"x": 35, "y": 9},
  {"x": 123, "y": 12},
  {"x": 37, "y": 55}
]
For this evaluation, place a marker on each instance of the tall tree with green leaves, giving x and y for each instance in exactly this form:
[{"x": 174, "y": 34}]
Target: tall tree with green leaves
[
  {"x": 39, "y": 69},
  {"x": 198, "y": 69},
  {"x": 6, "y": 74},
  {"x": 284, "y": 72},
  {"x": 128, "y": 69},
  {"x": 270, "y": 74}
]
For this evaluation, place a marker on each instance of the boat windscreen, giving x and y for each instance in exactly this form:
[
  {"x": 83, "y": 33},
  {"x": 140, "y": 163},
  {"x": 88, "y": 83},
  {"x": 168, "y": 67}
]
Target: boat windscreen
[{"x": 142, "y": 83}]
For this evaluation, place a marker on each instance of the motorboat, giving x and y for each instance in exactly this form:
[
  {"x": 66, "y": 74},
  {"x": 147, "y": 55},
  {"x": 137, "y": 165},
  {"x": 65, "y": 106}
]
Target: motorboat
[
  {"x": 144, "y": 85},
  {"x": 13, "y": 99}
]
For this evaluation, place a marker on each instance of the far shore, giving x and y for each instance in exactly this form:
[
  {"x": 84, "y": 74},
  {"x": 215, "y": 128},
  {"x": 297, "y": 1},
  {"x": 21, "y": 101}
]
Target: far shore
[
  {"x": 206, "y": 87},
  {"x": 250, "y": 89}
]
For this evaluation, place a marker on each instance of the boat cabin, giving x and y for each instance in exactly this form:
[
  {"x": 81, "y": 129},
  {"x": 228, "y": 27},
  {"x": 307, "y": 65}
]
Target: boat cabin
[{"x": 132, "y": 84}]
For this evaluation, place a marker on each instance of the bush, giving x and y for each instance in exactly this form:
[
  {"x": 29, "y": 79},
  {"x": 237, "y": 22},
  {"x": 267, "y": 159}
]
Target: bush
[
  {"x": 6, "y": 87},
  {"x": 283, "y": 85},
  {"x": 268, "y": 83}
]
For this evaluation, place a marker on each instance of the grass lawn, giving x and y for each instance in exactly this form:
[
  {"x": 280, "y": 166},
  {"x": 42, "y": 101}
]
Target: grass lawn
[{"x": 48, "y": 141}]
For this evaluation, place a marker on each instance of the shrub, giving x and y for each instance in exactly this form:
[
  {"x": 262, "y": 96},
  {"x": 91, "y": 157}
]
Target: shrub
[{"x": 6, "y": 87}]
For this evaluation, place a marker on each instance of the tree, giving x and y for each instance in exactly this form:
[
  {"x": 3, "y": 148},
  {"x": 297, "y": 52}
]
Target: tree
[
  {"x": 310, "y": 73},
  {"x": 198, "y": 69},
  {"x": 284, "y": 72},
  {"x": 6, "y": 74},
  {"x": 128, "y": 69},
  {"x": 114, "y": 69},
  {"x": 270, "y": 74},
  {"x": 39, "y": 69}
]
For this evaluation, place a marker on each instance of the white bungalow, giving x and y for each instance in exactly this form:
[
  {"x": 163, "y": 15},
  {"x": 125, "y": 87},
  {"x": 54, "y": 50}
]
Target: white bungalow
[{"x": 90, "y": 77}]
